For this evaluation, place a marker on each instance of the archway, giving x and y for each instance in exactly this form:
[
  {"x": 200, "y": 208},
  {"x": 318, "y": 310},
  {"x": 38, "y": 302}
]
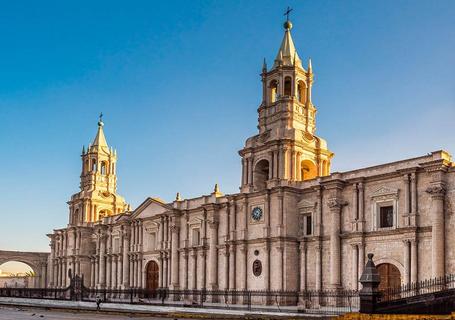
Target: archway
[
  {"x": 390, "y": 276},
  {"x": 37, "y": 261},
  {"x": 152, "y": 275},
  {"x": 16, "y": 274},
  {"x": 261, "y": 174},
  {"x": 309, "y": 170}
]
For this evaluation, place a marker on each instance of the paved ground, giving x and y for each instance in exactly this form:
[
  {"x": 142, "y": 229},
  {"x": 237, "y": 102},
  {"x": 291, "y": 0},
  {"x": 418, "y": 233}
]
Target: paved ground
[{"x": 10, "y": 313}]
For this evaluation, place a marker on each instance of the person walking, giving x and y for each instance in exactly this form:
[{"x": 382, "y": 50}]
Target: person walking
[{"x": 98, "y": 303}]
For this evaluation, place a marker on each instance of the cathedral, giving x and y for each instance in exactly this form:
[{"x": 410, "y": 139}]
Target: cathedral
[{"x": 293, "y": 226}]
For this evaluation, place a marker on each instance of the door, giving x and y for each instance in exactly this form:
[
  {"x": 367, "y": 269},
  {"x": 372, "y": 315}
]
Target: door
[
  {"x": 152, "y": 275},
  {"x": 390, "y": 276}
]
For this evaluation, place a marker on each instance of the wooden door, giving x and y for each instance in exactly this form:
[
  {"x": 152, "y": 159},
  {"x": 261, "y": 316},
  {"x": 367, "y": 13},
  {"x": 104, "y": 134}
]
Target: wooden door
[
  {"x": 152, "y": 275},
  {"x": 390, "y": 276}
]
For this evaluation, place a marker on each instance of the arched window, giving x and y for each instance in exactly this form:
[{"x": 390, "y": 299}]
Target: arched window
[
  {"x": 301, "y": 92},
  {"x": 309, "y": 170},
  {"x": 93, "y": 165},
  {"x": 288, "y": 86},
  {"x": 103, "y": 168},
  {"x": 261, "y": 174},
  {"x": 273, "y": 91}
]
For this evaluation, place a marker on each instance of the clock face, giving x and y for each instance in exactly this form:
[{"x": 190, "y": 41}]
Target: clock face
[{"x": 256, "y": 214}]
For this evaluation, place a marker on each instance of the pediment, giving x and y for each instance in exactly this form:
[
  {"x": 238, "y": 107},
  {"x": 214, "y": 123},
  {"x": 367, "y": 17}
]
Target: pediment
[
  {"x": 305, "y": 204},
  {"x": 149, "y": 208},
  {"x": 385, "y": 191}
]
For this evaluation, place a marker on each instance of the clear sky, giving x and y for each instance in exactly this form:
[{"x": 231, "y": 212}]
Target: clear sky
[{"x": 178, "y": 82}]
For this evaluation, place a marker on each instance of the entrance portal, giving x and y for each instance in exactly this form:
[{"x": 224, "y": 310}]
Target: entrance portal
[
  {"x": 152, "y": 275},
  {"x": 390, "y": 276}
]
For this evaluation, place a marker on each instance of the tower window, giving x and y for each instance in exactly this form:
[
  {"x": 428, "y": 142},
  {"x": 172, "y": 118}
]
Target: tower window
[
  {"x": 261, "y": 174},
  {"x": 301, "y": 92},
  {"x": 103, "y": 168},
  {"x": 196, "y": 237},
  {"x": 288, "y": 86},
  {"x": 273, "y": 91},
  {"x": 93, "y": 165}
]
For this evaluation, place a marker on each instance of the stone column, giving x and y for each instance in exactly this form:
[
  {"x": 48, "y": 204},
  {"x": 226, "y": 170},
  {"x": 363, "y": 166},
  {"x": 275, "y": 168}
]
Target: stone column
[
  {"x": 250, "y": 169},
  {"x": 232, "y": 267},
  {"x": 126, "y": 262},
  {"x": 185, "y": 273},
  {"x": 413, "y": 199},
  {"x": 414, "y": 264},
  {"x": 406, "y": 261},
  {"x": 280, "y": 250},
  {"x": 226, "y": 267},
  {"x": 292, "y": 174},
  {"x": 299, "y": 167},
  {"x": 97, "y": 271},
  {"x": 437, "y": 192},
  {"x": 160, "y": 259},
  {"x": 318, "y": 262},
  {"x": 92, "y": 273},
  {"x": 243, "y": 172},
  {"x": 141, "y": 235},
  {"x": 134, "y": 271},
  {"x": 335, "y": 206},
  {"x": 355, "y": 208},
  {"x": 102, "y": 262},
  {"x": 266, "y": 267},
  {"x": 361, "y": 247},
  {"x": 361, "y": 208},
  {"x": 406, "y": 196},
  {"x": 213, "y": 256},
  {"x": 275, "y": 164},
  {"x": 114, "y": 272},
  {"x": 203, "y": 273},
  {"x": 175, "y": 258},
  {"x": 108, "y": 271},
  {"x": 194, "y": 275},
  {"x": 243, "y": 261},
  {"x": 355, "y": 267},
  {"x": 140, "y": 271},
  {"x": 165, "y": 270},
  {"x": 119, "y": 271},
  {"x": 303, "y": 276}
]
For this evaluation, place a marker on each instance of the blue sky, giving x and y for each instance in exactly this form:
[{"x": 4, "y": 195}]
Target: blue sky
[{"x": 178, "y": 82}]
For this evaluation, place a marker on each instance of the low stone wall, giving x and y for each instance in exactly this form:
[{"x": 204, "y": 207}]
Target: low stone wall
[{"x": 361, "y": 316}]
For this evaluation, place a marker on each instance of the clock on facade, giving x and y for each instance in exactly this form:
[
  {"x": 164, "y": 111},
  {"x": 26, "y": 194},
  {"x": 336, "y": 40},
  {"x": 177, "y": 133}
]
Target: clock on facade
[{"x": 256, "y": 213}]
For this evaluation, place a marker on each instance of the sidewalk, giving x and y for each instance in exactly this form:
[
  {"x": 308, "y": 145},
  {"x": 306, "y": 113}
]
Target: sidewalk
[{"x": 158, "y": 311}]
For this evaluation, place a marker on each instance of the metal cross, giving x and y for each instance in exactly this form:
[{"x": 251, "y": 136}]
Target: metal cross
[
  {"x": 288, "y": 11},
  {"x": 101, "y": 116}
]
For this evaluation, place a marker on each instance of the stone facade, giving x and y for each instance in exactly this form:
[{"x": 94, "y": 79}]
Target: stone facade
[{"x": 293, "y": 225}]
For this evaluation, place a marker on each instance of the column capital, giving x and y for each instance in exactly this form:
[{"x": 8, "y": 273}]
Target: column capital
[
  {"x": 436, "y": 190},
  {"x": 335, "y": 204},
  {"x": 174, "y": 228},
  {"x": 406, "y": 177},
  {"x": 413, "y": 176}
]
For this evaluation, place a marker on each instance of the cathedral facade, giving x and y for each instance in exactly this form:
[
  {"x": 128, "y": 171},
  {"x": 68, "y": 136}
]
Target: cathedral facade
[{"x": 293, "y": 226}]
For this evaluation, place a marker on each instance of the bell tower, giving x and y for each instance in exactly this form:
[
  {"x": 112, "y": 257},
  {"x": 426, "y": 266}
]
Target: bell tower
[
  {"x": 286, "y": 150},
  {"x": 98, "y": 196}
]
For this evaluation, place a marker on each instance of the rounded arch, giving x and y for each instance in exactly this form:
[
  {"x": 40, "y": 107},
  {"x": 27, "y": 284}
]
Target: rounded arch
[
  {"x": 261, "y": 174},
  {"x": 273, "y": 91},
  {"x": 390, "y": 276},
  {"x": 390, "y": 261},
  {"x": 288, "y": 86},
  {"x": 103, "y": 167},
  {"x": 308, "y": 170},
  {"x": 301, "y": 91},
  {"x": 28, "y": 276}
]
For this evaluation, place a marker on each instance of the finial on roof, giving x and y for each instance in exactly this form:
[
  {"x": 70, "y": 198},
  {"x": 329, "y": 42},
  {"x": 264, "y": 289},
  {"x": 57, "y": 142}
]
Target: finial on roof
[
  {"x": 310, "y": 67},
  {"x": 178, "y": 197},
  {"x": 83, "y": 149},
  {"x": 217, "y": 188},
  {"x": 100, "y": 122},
  {"x": 264, "y": 66},
  {"x": 288, "y": 24}
]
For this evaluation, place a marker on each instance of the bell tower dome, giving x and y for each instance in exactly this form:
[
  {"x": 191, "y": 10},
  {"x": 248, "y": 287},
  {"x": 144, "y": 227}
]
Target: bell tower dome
[{"x": 286, "y": 150}]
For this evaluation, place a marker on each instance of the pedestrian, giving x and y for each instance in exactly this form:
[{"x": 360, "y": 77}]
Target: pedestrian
[{"x": 98, "y": 303}]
